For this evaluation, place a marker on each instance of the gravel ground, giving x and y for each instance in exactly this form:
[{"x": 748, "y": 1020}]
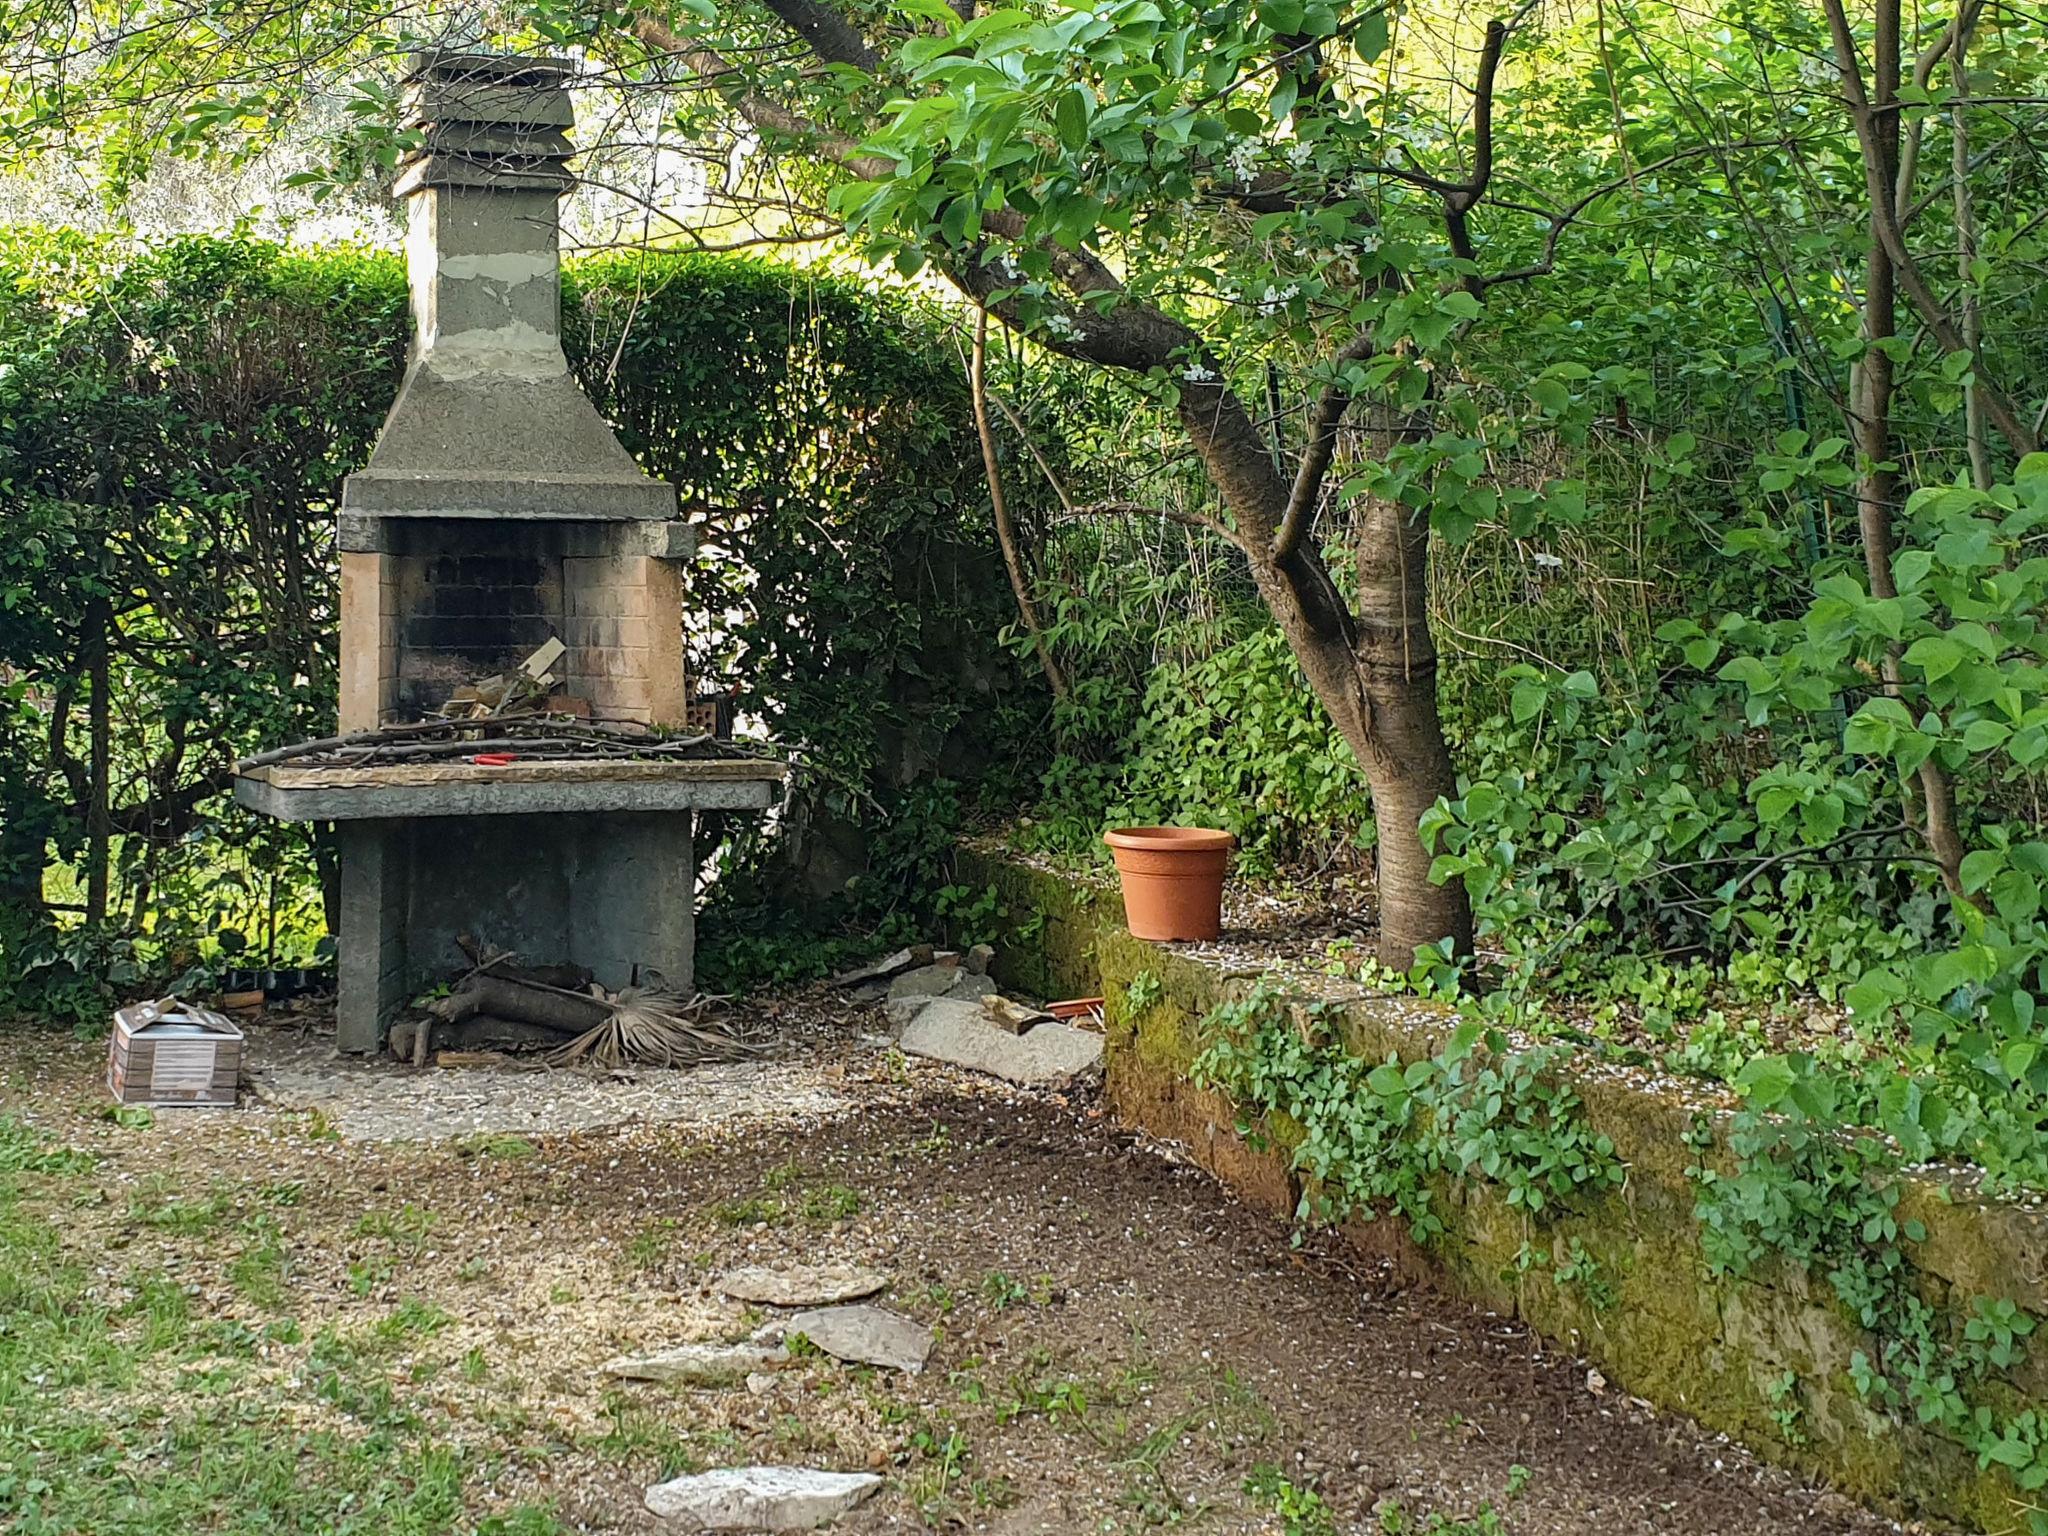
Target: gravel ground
[{"x": 1120, "y": 1346}]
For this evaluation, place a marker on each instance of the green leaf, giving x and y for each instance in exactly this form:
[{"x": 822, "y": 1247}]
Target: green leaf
[
  {"x": 1765, "y": 1081},
  {"x": 1821, "y": 817},
  {"x": 2016, "y": 895},
  {"x": 1371, "y": 37},
  {"x": 1773, "y": 804},
  {"x": 1936, "y": 655},
  {"x": 1071, "y": 117},
  {"x": 1983, "y": 735},
  {"x": 1979, "y": 867}
]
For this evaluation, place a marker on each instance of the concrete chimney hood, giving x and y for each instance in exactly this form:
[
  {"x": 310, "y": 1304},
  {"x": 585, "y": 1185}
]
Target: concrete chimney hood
[{"x": 489, "y": 422}]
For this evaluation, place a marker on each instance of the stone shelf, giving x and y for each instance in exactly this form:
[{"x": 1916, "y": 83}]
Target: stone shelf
[{"x": 293, "y": 792}]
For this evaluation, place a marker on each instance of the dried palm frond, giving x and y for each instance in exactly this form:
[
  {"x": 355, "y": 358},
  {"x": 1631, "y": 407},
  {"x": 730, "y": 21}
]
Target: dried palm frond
[{"x": 656, "y": 1028}]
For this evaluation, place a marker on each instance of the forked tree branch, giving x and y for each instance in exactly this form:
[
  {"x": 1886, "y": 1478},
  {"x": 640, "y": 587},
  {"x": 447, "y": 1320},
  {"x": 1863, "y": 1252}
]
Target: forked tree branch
[
  {"x": 1323, "y": 425},
  {"x": 1883, "y": 194}
]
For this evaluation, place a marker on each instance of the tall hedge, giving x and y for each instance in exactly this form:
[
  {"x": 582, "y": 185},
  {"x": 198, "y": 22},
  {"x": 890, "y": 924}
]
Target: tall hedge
[{"x": 174, "y": 425}]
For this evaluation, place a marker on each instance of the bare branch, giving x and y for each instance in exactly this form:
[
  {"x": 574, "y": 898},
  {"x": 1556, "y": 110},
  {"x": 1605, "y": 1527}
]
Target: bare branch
[
  {"x": 1118, "y": 508},
  {"x": 1565, "y": 217},
  {"x": 1006, "y": 532},
  {"x": 1323, "y": 424},
  {"x": 768, "y": 116},
  {"x": 1883, "y": 194}
]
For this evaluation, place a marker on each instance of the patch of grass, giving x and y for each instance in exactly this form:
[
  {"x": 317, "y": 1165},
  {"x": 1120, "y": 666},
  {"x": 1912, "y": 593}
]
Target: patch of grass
[
  {"x": 637, "y": 1432},
  {"x": 406, "y": 1228},
  {"x": 160, "y": 1201},
  {"x": 365, "y": 1275},
  {"x": 412, "y": 1319},
  {"x": 650, "y": 1245},
  {"x": 1395, "y": 1520},
  {"x": 526, "y": 1520},
  {"x": 496, "y": 1145},
  {"x": 258, "y": 1270},
  {"x": 1237, "y": 1416},
  {"x": 230, "y": 1336},
  {"x": 751, "y": 1212},
  {"x": 319, "y": 1127},
  {"x": 24, "y": 1149},
  {"x": 164, "y": 1312},
  {"x": 834, "y": 1202},
  {"x": 78, "y": 1454},
  {"x": 1302, "y": 1511},
  {"x": 1004, "y": 1291},
  {"x": 785, "y": 1193}
]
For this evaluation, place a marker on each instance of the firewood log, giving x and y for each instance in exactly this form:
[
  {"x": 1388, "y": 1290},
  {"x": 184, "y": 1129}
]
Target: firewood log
[{"x": 509, "y": 998}]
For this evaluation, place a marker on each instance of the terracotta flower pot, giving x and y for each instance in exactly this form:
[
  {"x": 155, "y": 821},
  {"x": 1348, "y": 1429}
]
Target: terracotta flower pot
[{"x": 1173, "y": 879}]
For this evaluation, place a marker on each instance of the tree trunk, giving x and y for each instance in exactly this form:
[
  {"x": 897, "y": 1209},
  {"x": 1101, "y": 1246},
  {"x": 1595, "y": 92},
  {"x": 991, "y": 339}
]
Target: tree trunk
[
  {"x": 1974, "y": 430},
  {"x": 1877, "y": 488},
  {"x": 1405, "y": 757},
  {"x": 99, "y": 716}
]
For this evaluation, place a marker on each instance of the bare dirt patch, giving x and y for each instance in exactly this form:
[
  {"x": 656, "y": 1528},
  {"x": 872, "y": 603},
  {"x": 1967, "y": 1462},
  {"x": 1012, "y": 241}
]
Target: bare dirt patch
[{"x": 1119, "y": 1346}]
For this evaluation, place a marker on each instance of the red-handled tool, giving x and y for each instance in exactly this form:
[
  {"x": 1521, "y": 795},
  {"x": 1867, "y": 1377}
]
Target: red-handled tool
[{"x": 493, "y": 759}]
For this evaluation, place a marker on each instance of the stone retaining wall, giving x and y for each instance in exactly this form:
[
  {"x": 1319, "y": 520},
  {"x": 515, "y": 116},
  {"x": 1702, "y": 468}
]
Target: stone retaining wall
[{"x": 1673, "y": 1332}]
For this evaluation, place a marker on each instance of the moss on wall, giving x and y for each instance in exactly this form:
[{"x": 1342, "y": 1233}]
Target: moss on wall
[{"x": 1763, "y": 1357}]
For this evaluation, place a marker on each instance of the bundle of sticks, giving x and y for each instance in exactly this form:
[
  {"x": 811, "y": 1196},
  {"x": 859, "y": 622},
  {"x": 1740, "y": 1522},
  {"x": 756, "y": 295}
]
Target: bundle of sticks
[
  {"x": 651, "y": 1025},
  {"x": 453, "y": 740}
]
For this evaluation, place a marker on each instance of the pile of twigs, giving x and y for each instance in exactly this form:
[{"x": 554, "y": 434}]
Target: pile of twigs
[
  {"x": 655, "y": 1028},
  {"x": 527, "y": 735},
  {"x": 651, "y": 1025}
]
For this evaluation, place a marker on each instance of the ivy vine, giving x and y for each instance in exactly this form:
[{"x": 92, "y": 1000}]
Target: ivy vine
[{"x": 1375, "y": 1138}]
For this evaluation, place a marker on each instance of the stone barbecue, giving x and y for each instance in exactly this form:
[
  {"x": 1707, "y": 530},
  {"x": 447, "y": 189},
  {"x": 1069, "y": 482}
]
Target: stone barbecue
[{"x": 499, "y": 516}]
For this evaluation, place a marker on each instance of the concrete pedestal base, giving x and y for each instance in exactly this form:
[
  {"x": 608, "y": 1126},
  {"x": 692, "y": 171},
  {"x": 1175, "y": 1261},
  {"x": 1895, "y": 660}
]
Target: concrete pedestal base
[{"x": 609, "y": 890}]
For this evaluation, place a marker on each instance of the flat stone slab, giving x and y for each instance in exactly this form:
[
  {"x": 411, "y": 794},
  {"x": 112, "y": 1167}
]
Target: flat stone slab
[
  {"x": 926, "y": 980},
  {"x": 803, "y": 1285},
  {"x": 292, "y": 793},
  {"x": 960, "y": 1032},
  {"x": 886, "y": 967},
  {"x": 699, "y": 1365},
  {"x": 863, "y": 1335},
  {"x": 966, "y": 986},
  {"x": 760, "y": 1498}
]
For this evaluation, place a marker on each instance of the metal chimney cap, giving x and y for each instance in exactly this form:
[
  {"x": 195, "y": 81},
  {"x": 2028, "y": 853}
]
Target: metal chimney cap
[{"x": 503, "y": 68}]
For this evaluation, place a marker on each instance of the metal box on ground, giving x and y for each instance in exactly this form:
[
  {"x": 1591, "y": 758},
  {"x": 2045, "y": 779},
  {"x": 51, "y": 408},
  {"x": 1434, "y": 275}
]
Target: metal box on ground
[{"x": 167, "y": 1053}]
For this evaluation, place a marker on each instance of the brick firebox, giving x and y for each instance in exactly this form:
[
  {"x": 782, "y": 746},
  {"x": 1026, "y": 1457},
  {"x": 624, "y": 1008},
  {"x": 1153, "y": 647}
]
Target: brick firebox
[{"x": 452, "y": 600}]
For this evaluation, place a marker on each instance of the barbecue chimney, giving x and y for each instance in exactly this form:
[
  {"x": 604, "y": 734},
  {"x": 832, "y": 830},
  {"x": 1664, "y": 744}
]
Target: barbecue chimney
[{"x": 498, "y": 515}]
